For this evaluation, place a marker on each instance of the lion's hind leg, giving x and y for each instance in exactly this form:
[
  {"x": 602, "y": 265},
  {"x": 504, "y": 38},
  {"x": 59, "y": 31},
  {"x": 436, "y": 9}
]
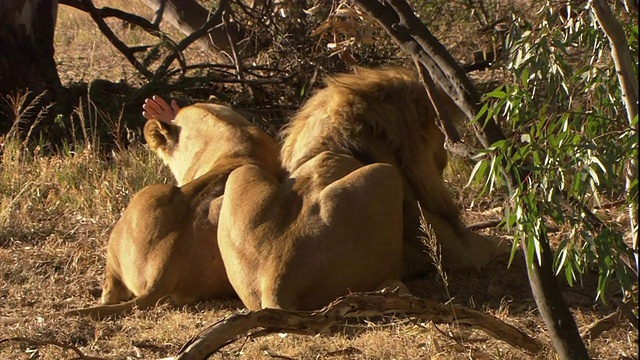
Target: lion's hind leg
[
  {"x": 246, "y": 231},
  {"x": 354, "y": 241},
  {"x": 367, "y": 203}
]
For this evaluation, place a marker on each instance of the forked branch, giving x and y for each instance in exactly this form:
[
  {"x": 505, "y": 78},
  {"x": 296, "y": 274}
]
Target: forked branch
[
  {"x": 99, "y": 14},
  {"x": 214, "y": 20}
]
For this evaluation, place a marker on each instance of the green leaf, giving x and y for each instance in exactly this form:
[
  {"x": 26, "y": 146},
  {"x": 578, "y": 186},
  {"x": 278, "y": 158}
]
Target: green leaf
[
  {"x": 561, "y": 256},
  {"x": 482, "y": 111},
  {"x": 594, "y": 176},
  {"x": 538, "y": 248},
  {"x": 497, "y": 93},
  {"x": 569, "y": 273},
  {"x": 477, "y": 174},
  {"x": 530, "y": 252}
]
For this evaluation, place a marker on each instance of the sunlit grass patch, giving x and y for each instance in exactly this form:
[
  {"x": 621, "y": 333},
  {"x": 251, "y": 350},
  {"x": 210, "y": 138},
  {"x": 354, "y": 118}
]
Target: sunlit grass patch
[{"x": 56, "y": 190}]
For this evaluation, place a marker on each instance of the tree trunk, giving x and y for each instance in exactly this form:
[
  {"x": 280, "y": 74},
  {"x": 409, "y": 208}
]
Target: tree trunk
[
  {"x": 628, "y": 83},
  {"x": 26, "y": 51},
  {"x": 555, "y": 313},
  {"x": 399, "y": 20},
  {"x": 188, "y": 16}
]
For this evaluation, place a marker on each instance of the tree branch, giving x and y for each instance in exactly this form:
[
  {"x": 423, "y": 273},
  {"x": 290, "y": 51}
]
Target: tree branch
[
  {"x": 98, "y": 16},
  {"x": 629, "y": 85},
  {"x": 621, "y": 55},
  {"x": 214, "y": 20},
  {"x": 157, "y": 16},
  {"x": 400, "y": 21},
  {"x": 331, "y": 319}
]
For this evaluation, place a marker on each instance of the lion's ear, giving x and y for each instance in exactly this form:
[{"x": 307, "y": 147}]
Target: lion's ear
[{"x": 159, "y": 136}]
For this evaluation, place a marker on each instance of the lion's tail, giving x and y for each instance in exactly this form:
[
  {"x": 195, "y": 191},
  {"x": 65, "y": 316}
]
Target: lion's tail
[{"x": 100, "y": 312}]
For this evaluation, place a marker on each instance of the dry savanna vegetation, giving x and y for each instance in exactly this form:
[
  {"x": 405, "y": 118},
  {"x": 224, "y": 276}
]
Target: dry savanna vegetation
[{"x": 59, "y": 203}]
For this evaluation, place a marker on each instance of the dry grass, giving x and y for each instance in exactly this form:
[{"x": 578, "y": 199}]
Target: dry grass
[{"x": 56, "y": 212}]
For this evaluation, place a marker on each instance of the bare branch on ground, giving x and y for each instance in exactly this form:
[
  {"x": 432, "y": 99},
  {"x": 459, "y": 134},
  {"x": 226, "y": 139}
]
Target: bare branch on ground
[
  {"x": 592, "y": 331},
  {"x": 332, "y": 318}
]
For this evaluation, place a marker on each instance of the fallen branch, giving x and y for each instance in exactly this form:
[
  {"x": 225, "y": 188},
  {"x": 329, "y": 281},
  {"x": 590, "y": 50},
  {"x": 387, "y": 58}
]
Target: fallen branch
[
  {"x": 484, "y": 224},
  {"x": 332, "y": 318},
  {"x": 595, "y": 329}
]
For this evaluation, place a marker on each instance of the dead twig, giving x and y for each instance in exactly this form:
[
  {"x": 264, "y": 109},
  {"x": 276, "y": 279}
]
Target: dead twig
[
  {"x": 442, "y": 118},
  {"x": 484, "y": 224},
  {"x": 625, "y": 310},
  {"x": 496, "y": 222},
  {"x": 453, "y": 141},
  {"x": 611, "y": 205},
  {"x": 331, "y": 318},
  {"x": 10, "y": 320},
  {"x": 237, "y": 60}
]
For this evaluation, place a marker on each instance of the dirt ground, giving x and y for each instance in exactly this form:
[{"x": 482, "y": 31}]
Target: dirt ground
[
  {"x": 63, "y": 272},
  {"x": 52, "y": 259}
]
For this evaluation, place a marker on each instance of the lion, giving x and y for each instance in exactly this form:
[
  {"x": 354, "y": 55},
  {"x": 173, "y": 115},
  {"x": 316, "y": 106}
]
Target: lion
[
  {"x": 335, "y": 225},
  {"x": 385, "y": 115},
  {"x": 362, "y": 156},
  {"x": 164, "y": 247}
]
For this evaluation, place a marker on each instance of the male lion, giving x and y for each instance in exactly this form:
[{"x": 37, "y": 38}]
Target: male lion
[
  {"x": 360, "y": 154},
  {"x": 385, "y": 115},
  {"x": 164, "y": 246}
]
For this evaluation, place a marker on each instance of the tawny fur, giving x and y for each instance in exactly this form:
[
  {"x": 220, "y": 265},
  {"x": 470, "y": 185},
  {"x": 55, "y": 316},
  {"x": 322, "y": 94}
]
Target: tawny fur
[
  {"x": 387, "y": 116},
  {"x": 334, "y": 226},
  {"x": 291, "y": 248},
  {"x": 165, "y": 246}
]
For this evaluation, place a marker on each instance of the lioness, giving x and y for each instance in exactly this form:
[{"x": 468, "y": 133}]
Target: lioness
[
  {"x": 165, "y": 244},
  {"x": 360, "y": 154}
]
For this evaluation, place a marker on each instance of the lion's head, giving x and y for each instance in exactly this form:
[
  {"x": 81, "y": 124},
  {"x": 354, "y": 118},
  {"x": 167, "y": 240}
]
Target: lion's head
[
  {"x": 377, "y": 115},
  {"x": 203, "y": 135}
]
